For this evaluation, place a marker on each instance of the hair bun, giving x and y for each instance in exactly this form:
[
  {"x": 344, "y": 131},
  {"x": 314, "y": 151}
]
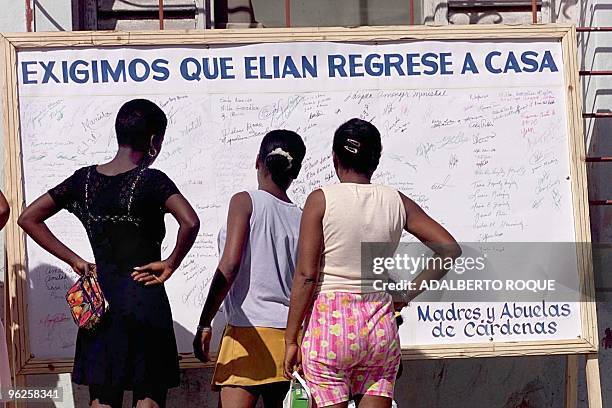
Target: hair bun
[
  {"x": 278, "y": 163},
  {"x": 280, "y": 152}
]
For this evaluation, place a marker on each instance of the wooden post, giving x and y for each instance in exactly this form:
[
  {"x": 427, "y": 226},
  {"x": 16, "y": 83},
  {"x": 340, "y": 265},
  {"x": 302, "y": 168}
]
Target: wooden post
[
  {"x": 571, "y": 381},
  {"x": 593, "y": 381},
  {"x": 8, "y": 338}
]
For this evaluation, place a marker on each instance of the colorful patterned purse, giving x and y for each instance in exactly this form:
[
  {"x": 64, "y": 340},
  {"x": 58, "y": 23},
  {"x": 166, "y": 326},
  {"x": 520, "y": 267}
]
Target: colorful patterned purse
[{"x": 86, "y": 300}]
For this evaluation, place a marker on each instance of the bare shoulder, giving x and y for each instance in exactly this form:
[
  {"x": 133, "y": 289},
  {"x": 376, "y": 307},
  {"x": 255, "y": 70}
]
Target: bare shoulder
[
  {"x": 411, "y": 207},
  {"x": 316, "y": 196},
  {"x": 241, "y": 203},
  {"x": 315, "y": 202}
]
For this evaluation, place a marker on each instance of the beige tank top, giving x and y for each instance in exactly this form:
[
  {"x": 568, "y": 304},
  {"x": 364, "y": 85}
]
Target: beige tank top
[{"x": 356, "y": 213}]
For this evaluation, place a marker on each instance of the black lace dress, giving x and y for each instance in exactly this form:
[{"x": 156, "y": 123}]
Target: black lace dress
[{"x": 134, "y": 345}]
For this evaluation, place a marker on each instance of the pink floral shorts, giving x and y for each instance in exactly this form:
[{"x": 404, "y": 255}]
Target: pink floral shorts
[{"x": 350, "y": 347}]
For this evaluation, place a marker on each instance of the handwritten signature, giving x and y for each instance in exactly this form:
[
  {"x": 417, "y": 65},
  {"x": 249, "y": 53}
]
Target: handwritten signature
[{"x": 280, "y": 111}]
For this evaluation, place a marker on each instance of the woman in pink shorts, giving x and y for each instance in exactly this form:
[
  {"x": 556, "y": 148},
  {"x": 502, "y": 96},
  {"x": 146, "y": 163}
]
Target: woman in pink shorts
[{"x": 350, "y": 344}]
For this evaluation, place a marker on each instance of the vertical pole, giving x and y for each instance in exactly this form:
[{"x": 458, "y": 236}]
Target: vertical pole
[
  {"x": 593, "y": 381},
  {"x": 9, "y": 338},
  {"x": 534, "y": 11},
  {"x": 161, "y": 14},
  {"x": 29, "y": 15},
  {"x": 411, "y": 7},
  {"x": 209, "y": 14},
  {"x": 287, "y": 13},
  {"x": 571, "y": 381}
]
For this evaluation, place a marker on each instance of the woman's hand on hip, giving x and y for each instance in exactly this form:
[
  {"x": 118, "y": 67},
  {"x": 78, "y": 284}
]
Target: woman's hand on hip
[
  {"x": 154, "y": 273},
  {"x": 293, "y": 360}
]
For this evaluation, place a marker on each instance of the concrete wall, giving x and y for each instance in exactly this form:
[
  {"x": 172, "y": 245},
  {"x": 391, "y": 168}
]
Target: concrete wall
[
  {"x": 308, "y": 13},
  {"x": 52, "y": 15},
  {"x": 595, "y": 54},
  {"x": 530, "y": 382}
]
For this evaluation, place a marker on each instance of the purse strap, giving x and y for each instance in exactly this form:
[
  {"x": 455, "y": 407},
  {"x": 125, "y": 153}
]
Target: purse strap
[{"x": 91, "y": 271}]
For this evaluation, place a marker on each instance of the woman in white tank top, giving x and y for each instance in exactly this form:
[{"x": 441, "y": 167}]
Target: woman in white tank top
[
  {"x": 253, "y": 280},
  {"x": 350, "y": 347}
]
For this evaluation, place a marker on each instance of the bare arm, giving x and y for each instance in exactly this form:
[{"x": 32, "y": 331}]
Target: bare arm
[
  {"x": 306, "y": 277},
  {"x": 5, "y": 210},
  {"x": 436, "y": 237},
  {"x": 32, "y": 221},
  {"x": 238, "y": 218},
  {"x": 308, "y": 264},
  {"x": 189, "y": 225},
  {"x": 238, "y": 221}
]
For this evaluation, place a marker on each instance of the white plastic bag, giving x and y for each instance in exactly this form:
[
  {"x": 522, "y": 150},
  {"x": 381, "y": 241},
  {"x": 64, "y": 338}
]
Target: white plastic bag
[{"x": 296, "y": 389}]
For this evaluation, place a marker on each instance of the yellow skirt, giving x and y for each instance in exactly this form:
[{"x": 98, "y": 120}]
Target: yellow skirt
[{"x": 250, "y": 356}]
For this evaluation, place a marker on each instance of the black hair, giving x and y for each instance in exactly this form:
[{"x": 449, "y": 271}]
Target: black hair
[
  {"x": 137, "y": 121},
  {"x": 282, "y": 152},
  {"x": 357, "y": 146}
]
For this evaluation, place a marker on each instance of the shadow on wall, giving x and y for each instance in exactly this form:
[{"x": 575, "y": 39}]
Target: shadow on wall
[
  {"x": 599, "y": 174},
  {"x": 39, "y": 380},
  {"x": 195, "y": 387},
  {"x": 234, "y": 12},
  {"x": 52, "y": 283},
  {"x": 487, "y": 17},
  {"x": 41, "y": 10},
  {"x": 564, "y": 11},
  {"x": 184, "y": 336}
]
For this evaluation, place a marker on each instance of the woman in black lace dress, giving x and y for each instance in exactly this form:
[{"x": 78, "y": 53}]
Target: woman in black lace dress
[{"x": 122, "y": 205}]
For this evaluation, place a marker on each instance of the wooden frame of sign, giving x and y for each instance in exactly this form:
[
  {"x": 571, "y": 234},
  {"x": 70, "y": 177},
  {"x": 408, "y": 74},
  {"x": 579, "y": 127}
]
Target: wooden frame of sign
[{"x": 24, "y": 363}]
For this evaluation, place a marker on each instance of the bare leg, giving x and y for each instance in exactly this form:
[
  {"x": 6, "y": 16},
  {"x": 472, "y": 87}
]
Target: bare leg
[
  {"x": 373, "y": 401},
  {"x": 274, "y": 394},
  {"x": 149, "y": 398},
  {"x": 96, "y": 404},
  {"x": 236, "y": 397},
  {"x": 339, "y": 405},
  {"x": 147, "y": 403},
  {"x": 105, "y": 397}
]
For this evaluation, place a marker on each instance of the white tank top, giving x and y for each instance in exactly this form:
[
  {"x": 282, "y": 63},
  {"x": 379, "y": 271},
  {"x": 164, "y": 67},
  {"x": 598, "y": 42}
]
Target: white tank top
[
  {"x": 260, "y": 294},
  {"x": 356, "y": 213}
]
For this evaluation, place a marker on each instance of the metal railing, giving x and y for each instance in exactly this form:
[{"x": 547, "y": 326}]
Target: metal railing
[{"x": 596, "y": 115}]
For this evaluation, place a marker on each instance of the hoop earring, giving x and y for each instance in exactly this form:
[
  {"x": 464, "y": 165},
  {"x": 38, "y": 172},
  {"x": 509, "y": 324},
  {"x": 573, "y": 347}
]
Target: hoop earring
[{"x": 152, "y": 150}]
